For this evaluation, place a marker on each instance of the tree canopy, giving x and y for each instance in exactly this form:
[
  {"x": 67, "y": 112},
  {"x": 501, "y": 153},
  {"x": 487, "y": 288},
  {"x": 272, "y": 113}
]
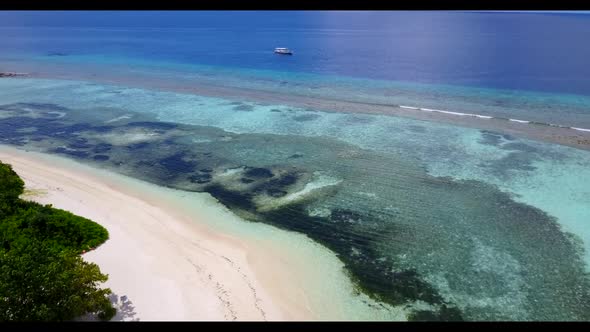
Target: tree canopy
[{"x": 42, "y": 275}]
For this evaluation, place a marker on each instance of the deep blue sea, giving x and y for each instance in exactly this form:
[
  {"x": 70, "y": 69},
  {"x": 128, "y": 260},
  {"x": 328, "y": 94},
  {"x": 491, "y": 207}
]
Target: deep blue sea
[
  {"x": 522, "y": 51},
  {"x": 441, "y": 221}
]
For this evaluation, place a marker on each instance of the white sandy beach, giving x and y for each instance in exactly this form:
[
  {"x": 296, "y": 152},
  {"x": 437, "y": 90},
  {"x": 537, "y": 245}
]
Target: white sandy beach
[{"x": 161, "y": 264}]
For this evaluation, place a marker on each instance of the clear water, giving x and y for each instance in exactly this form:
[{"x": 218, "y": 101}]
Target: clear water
[
  {"x": 423, "y": 214},
  {"x": 497, "y": 50},
  {"x": 443, "y": 221}
]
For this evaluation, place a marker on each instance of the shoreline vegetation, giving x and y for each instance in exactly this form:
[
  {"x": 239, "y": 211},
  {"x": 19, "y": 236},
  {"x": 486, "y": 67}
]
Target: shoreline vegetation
[
  {"x": 258, "y": 189},
  {"x": 163, "y": 265},
  {"x": 408, "y": 285},
  {"x": 42, "y": 275}
]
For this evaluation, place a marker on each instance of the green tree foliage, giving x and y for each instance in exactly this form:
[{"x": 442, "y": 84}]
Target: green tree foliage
[
  {"x": 11, "y": 185},
  {"x": 44, "y": 223},
  {"x": 41, "y": 283},
  {"x": 42, "y": 276}
]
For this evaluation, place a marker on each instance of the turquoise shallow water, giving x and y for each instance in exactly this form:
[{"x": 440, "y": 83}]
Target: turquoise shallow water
[
  {"x": 544, "y": 175},
  {"x": 557, "y": 108},
  {"x": 440, "y": 221},
  {"x": 454, "y": 223}
]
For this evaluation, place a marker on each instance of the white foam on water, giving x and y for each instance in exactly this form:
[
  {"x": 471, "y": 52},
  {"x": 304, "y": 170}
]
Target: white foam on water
[
  {"x": 446, "y": 112},
  {"x": 232, "y": 171},
  {"x": 485, "y": 117},
  {"x": 201, "y": 140},
  {"x": 455, "y": 113},
  {"x": 319, "y": 273},
  {"x": 60, "y": 114},
  {"x": 375, "y": 135},
  {"x": 66, "y": 148},
  {"x": 319, "y": 181},
  {"x": 519, "y": 121},
  {"x": 428, "y": 110},
  {"x": 122, "y": 117},
  {"x": 128, "y": 137},
  {"x": 320, "y": 212},
  {"x": 559, "y": 189}
]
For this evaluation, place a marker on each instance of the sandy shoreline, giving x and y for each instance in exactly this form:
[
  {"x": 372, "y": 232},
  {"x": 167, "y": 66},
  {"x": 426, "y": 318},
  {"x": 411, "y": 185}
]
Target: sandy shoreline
[{"x": 161, "y": 264}]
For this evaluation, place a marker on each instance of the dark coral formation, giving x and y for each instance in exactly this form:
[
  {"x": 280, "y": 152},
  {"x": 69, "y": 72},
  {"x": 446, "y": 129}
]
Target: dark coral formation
[{"x": 415, "y": 237}]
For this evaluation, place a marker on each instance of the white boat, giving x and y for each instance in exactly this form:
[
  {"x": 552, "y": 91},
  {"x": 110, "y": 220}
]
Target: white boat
[{"x": 283, "y": 50}]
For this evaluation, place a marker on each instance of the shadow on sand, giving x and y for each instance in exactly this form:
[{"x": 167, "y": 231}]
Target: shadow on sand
[{"x": 125, "y": 310}]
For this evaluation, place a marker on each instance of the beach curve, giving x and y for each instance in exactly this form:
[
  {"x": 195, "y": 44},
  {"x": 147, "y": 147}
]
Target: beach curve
[{"x": 165, "y": 263}]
